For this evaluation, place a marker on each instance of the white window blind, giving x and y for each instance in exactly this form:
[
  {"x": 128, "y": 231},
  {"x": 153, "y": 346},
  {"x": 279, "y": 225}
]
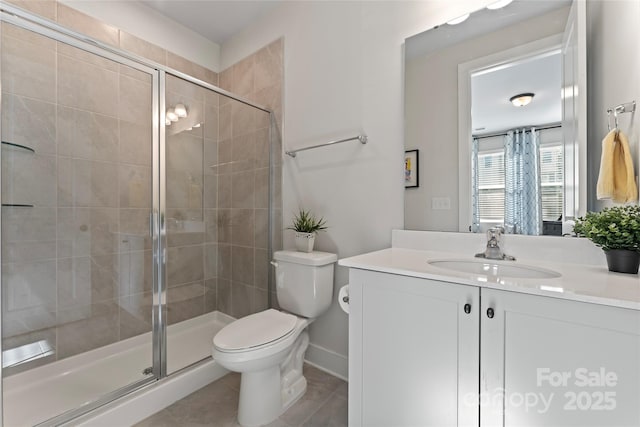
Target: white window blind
[
  {"x": 551, "y": 179},
  {"x": 491, "y": 183},
  {"x": 491, "y": 186}
]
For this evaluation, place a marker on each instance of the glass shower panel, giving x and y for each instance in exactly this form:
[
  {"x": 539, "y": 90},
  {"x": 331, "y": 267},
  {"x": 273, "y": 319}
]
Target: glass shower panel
[
  {"x": 76, "y": 248},
  {"x": 217, "y": 197}
]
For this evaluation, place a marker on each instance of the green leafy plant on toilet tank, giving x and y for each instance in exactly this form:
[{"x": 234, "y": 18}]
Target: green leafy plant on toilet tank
[{"x": 306, "y": 225}]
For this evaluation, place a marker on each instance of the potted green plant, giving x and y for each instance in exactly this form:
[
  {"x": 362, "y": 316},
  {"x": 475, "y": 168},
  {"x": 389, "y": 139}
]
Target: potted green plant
[
  {"x": 306, "y": 226},
  {"x": 617, "y": 231}
]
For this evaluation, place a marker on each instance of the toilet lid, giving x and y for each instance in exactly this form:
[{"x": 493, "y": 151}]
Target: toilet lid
[{"x": 255, "y": 330}]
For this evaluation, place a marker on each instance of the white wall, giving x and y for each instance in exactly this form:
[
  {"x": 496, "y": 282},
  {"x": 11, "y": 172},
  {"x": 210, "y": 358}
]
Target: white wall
[
  {"x": 150, "y": 25},
  {"x": 343, "y": 74},
  {"x": 432, "y": 115},
  {"x": 613, "y": 77}
]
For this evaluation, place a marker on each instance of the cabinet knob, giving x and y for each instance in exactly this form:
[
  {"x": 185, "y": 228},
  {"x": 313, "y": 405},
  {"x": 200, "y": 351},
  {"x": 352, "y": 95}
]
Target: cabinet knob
[
  {"x": 490, "y": 313},
  {"x": 467, "y": 308}
]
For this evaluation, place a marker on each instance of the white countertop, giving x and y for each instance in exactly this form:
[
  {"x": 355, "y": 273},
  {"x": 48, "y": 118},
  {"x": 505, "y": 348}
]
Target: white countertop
[{"x": 578, "y": 282}]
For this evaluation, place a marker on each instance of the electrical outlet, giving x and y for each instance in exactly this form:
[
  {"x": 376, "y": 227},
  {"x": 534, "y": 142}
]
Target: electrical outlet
[{"x": 440, "y": 203}]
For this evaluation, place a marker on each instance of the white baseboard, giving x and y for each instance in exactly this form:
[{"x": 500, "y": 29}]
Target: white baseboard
[{"x": 328, "y": 361}]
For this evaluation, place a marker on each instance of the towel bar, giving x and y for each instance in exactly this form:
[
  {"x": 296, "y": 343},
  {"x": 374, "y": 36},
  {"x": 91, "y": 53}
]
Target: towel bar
[{"x": 362, "y": 138}]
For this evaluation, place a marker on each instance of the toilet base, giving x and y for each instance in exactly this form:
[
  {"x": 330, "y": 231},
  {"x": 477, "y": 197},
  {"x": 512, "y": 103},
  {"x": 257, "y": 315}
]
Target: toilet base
[
  {"x": 268, "y": 393},
  {"x": 260, "y": 401}
]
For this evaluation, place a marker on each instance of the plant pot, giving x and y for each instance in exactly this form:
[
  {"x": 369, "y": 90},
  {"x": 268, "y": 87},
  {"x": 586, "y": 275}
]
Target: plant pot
[
  {"x": 623, "y": 261},
  {"x": 305, "y": 241}
]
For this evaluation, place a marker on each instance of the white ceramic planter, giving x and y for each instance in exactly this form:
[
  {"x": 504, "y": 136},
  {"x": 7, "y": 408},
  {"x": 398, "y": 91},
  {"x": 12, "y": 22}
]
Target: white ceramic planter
[{"x": 305, "y": 241}]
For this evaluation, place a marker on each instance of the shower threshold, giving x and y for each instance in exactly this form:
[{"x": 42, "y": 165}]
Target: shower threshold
[{"x": 38, "y": 394}]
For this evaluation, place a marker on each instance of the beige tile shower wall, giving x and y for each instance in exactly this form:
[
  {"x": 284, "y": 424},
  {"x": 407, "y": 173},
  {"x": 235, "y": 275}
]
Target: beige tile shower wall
[
  {"x": 77, "y": 267},
  {"x": 243, "y": 189},
  {"x": 111, "y": 35}
]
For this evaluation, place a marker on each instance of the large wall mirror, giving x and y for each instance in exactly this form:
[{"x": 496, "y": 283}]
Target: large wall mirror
[{"x": 497, "y": 107}]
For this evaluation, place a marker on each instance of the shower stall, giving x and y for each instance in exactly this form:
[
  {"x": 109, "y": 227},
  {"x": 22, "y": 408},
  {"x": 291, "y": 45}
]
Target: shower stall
[{"x": 136, "y": 218}]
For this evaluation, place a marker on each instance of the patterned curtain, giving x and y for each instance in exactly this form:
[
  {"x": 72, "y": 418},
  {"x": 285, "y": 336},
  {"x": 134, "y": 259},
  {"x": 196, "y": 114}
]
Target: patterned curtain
[
  {"x": 475, "y": 196},
  {"x": 522, "y": 199}
]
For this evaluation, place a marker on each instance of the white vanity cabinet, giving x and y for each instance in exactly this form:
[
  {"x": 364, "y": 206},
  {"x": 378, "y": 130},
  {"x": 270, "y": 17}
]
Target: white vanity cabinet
[
  {"x": 429, "y": 353},
  {"x": 553, "y": 362},
  {"x": 413, "y": 351}
]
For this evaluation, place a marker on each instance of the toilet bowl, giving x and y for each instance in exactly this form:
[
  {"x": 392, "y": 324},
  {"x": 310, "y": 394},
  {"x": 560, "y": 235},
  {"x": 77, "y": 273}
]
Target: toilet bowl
[{"x": 268, "y": 347}]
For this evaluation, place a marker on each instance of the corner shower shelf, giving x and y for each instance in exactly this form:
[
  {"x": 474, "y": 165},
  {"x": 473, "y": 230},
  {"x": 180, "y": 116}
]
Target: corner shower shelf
[{"x": 24, "y": 147}]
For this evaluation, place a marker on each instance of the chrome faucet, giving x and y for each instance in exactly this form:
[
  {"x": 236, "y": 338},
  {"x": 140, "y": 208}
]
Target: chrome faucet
[{"x": 493, "y": 250}]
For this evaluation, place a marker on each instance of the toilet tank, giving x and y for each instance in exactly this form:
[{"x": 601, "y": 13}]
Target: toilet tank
[{"x": 304, "y": 281}]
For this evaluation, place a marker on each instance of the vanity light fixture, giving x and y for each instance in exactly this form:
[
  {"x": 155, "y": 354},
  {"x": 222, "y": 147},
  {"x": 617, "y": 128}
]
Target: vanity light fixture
[
  {"x": 499, "y": 4},
  {"x": 171, "y": 115},
  {"x": 180, "y": 110},
  {"x": 522, "y": 99},
  {"x": 458, "y": 20}
]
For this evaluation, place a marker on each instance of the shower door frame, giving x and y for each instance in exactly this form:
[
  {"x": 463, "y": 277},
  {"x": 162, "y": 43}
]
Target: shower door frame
[{"x": 16, "y": 16}]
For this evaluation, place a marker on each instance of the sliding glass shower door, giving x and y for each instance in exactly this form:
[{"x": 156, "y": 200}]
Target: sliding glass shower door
[{"x": 77, "y": 198}]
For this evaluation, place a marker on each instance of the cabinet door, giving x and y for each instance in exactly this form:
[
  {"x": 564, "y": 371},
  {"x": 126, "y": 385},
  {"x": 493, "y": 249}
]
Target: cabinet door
[
  {"x": 413, "y": 352},
  {"x": 553, "y": 362}
]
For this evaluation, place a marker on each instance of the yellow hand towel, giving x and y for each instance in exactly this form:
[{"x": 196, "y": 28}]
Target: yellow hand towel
[
  {"x": 605, "y": 186},
  {"x": 617, "y": 179},
  {"x": 624, "y": 177}
]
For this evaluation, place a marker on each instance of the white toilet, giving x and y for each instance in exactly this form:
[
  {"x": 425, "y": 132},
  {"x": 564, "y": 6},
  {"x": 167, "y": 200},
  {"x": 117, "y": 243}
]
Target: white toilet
[{"x": 268, "y": 348}]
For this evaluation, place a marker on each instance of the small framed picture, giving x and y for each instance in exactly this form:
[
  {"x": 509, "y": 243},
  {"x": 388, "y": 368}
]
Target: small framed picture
[{"x": 411, "y": 169}]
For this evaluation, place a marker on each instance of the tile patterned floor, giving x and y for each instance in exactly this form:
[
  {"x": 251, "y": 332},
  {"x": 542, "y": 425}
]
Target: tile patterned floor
[{"x": 323, "y": 405}]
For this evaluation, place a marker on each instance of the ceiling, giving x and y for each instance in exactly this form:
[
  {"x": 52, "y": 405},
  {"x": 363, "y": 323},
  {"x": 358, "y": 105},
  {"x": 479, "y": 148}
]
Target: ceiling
[
  {"x": 216, "y": 20},
  {"x": 491, "y": 110}
]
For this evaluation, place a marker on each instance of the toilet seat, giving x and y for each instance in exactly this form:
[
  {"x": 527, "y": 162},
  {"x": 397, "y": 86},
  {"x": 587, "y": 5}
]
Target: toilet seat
[{"x": 255, "y": 331}]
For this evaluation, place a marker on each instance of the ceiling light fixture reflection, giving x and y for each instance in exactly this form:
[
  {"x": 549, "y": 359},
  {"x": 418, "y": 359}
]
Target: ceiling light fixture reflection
[
  {"x": 522, "y": 99},
  {"x": 180, "y": 110},
  {"x": 171, "y": 115},
  {"x": 458, "y": 20},
  {"x": 499, "y": 4}
]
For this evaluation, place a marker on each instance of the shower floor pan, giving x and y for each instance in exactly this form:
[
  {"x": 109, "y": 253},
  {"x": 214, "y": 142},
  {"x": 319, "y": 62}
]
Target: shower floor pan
[{"x": 36, "y": 395}]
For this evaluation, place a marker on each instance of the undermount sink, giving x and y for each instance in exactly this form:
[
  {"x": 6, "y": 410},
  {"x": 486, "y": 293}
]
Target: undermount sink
[{"x": 495, "y": 270}]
